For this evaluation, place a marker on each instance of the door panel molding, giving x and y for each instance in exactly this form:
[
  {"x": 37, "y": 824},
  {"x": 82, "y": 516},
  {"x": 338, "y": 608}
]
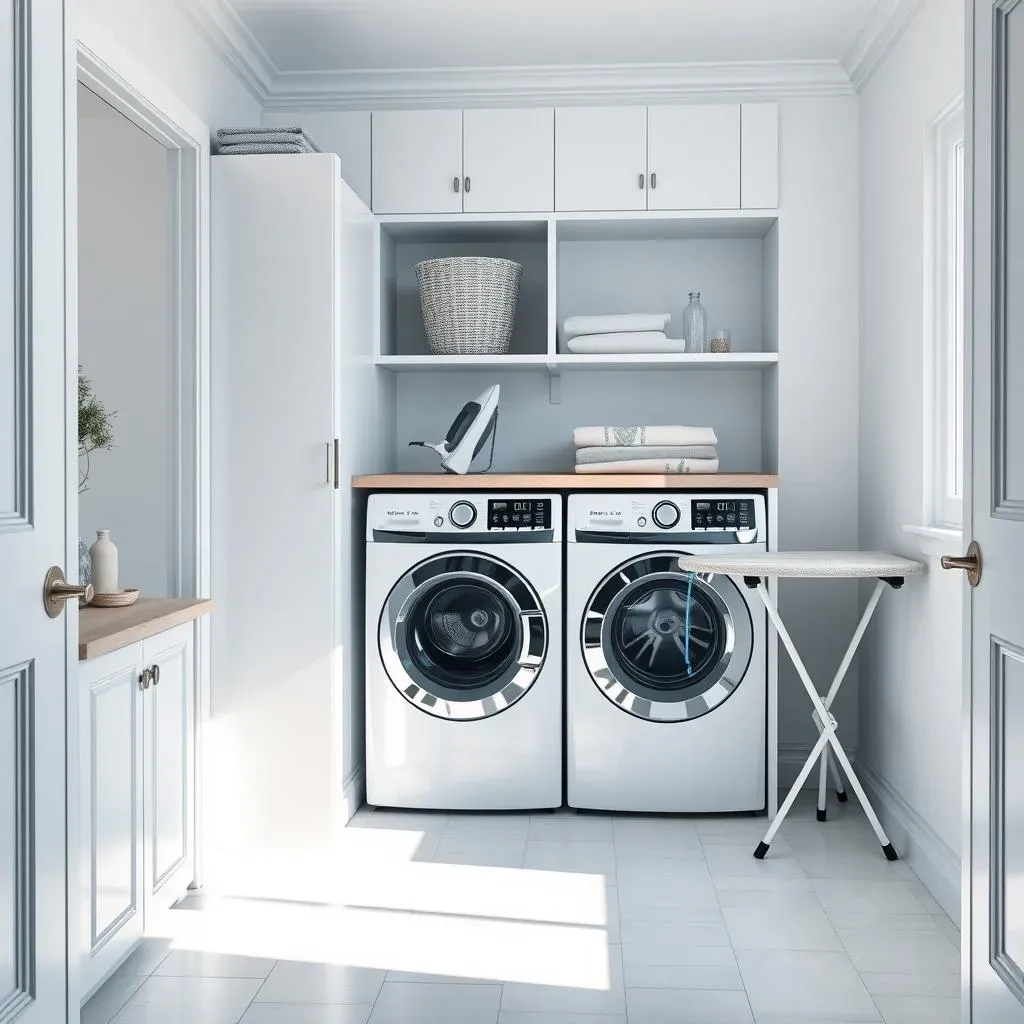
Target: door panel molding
[
  {"x": 17, "y": 798},
  {"x": 1002, "y": 785},
  {"x": 16, "y": 503},
  {"x": 1005, "y": 505}
]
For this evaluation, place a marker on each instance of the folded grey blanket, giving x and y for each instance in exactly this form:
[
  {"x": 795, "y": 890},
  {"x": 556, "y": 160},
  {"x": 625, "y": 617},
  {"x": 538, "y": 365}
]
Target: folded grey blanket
[
  {"x": 585, "y": 456},
  {"x": 254, "y": 148},
  {"x": 273, "y": 136}
]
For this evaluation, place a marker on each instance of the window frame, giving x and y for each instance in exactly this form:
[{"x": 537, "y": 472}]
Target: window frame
[{"x": 943, "y": 320}]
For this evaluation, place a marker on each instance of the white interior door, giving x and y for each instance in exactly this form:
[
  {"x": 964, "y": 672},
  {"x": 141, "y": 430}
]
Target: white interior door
[
  {"x": 508, "y": 157},
  {"x": 994, "y": 950},
  {"x": 417, "y": 161},
  {"x": 601, "y": 158},
  {"x": 33, "y": 536}
]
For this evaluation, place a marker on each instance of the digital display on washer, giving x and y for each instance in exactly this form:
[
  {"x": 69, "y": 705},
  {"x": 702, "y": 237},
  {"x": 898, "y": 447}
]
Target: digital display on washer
[
  {"x": 519, "y": 514},
  {"x": 726, "y": 514}
]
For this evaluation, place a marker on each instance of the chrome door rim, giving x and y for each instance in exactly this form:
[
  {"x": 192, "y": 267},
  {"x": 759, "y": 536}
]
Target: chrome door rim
[
  {"x": 515, "y": 681},
  {"x": 599, "y": 612}
]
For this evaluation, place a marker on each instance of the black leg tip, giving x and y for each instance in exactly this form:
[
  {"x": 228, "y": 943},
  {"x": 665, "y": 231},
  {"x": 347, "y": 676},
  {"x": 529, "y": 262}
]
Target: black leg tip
[
  {"x": 822, "y": 814},
  {"x": 890, "y": 852},
  {"x": 842, "y": 796},
  {"x": 762, "y": 849}
]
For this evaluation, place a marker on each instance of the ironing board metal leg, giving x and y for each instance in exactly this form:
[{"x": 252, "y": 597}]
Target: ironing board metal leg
[
  {"x": 823, "y": 784},
  {"x": 819, "y": 747},
  {"x": 869, "y": 811}
]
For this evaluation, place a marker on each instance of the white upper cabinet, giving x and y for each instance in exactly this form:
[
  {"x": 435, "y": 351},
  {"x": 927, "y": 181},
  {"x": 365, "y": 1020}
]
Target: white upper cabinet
[
  {"x": 693, "y": 157},
  {"x": 508, "y": 160},
  {"x": 417, "y": 161},
  {"x": 759, "y": 184},
  {"x": 601, "y": 158}
]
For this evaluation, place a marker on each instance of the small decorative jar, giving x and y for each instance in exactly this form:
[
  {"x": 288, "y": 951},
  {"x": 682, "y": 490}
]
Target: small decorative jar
[
  {"x": 720, "y": 341},
  {"x": 84, "y": 567},
  {"x": 104, "y": 564}
]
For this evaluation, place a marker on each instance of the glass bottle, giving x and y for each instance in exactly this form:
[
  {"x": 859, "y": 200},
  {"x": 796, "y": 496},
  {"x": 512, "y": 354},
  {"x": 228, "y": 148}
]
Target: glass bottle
[{"x": 695, "y": 325}]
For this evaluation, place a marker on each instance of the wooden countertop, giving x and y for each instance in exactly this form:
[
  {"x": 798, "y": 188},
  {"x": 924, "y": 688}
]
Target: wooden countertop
[
  {"x": 102, "y": 630},
  {"x": 563, "y": 482}
]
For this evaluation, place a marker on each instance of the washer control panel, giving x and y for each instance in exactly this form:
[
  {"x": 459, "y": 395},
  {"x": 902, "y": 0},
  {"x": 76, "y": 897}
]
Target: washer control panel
[
  {"x": 723, "y": 517},
  {"x": 463, "y": 517}
]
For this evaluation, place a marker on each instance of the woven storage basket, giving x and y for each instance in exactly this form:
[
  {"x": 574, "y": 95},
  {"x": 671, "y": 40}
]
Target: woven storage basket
[{"x": 469, "y": 304}]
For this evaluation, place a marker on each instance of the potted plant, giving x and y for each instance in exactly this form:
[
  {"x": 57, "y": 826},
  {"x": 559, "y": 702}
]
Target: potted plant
[{"x": 95, "y": 433}]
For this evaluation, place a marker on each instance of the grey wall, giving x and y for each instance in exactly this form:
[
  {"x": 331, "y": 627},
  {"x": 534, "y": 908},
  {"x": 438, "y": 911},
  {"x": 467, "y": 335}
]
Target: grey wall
[
  {"x": 125, "y": 342},
  {"x": 912, "y": 660}
]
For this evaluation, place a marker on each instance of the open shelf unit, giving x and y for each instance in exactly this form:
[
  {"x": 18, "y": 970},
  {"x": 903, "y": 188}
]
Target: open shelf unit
[{"x": 592, "y": 264}]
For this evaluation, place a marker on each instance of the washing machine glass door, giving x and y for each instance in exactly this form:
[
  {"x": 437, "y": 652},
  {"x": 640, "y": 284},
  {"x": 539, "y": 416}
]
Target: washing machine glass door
[
  {"x": 663, "y": 644},
  {"x": 463, "y": 636}
]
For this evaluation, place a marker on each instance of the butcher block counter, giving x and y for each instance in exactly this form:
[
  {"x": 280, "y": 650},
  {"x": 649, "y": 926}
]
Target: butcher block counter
[
  {"x": 565, "y": 482},
  {"x": 102, "y": 630}
]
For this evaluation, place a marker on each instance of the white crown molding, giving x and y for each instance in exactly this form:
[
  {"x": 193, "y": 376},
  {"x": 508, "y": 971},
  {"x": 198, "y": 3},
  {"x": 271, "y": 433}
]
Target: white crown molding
[
  {"x": 553, "y": 84},
  {"x": 220, "y": 24},
  {"x": 885, "y": 24}
]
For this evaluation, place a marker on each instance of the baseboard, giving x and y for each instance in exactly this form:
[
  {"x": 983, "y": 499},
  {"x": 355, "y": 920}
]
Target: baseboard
[
  {"x": 918, "y": 843},
  {"x": 353, "y": 795},
  {"x": 793, "y": 756}
]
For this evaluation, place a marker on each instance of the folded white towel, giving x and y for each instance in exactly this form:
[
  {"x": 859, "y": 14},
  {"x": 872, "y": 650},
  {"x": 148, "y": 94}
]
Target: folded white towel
[
  {"x": 614, "y": 323},
  {"x": 651, "y": 466},
  {"x": 593, "y": 437},
  {"x": 668, "y": 451},
  {"x": 628, "y": 341}
]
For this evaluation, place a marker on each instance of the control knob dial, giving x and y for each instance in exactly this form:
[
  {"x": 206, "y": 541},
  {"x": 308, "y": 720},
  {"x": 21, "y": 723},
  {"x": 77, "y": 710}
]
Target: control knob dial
[
  {"x": 666, "y": 514},
  {"x": 462, "y": 514}
]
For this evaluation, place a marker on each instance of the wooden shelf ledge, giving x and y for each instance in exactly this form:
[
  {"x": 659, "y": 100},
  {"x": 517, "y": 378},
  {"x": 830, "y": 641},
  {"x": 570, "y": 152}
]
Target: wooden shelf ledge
[
  {"x": 564, "y": 482},
  {"x": 102, "y": 630}
]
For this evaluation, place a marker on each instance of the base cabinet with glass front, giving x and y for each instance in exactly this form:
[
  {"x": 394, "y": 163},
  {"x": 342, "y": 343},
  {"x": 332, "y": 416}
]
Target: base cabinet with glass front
[{"x": 136, "y": 771}]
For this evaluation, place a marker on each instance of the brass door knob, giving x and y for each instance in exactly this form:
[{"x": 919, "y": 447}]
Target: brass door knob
[
  {"x": 57, "y": 592},
  {"x": 970, "y": 563}
]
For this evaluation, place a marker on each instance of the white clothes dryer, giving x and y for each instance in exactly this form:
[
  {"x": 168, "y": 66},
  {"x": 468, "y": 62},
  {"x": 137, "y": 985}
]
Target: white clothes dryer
[
  {"x": 666, "y": 670},
  {"x": 464, "y": 607}
]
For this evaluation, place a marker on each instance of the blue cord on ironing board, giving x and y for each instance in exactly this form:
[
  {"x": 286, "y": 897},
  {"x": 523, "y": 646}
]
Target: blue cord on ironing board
[{"x": 686, "y": 644}]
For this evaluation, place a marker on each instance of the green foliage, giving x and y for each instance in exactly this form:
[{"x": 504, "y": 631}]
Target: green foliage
[{"x": 95, "y": 430}]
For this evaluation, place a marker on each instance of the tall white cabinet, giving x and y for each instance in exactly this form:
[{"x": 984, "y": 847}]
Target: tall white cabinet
[{"x": 295, "y": 410}]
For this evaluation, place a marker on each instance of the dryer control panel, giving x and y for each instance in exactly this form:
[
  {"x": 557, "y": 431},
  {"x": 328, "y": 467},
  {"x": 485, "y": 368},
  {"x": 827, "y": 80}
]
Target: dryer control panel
[{"x": 708, "y": 518}]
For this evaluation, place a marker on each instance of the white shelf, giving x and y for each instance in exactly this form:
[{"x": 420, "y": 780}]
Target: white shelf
[{"x": 567, "y": 362}]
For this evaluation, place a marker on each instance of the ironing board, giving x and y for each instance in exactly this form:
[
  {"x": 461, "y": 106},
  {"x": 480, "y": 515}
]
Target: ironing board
[{"x": 888, "y": 570}]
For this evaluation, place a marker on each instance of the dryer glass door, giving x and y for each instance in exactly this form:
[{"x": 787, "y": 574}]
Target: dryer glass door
[
  {"x": 463, "y": 636},
  {"x": 663, "y": 644}
]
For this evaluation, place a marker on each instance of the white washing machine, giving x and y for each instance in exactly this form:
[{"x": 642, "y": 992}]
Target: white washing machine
[
  {"x": 666, "y": 670},
  {"x": 464, "y": 606}
]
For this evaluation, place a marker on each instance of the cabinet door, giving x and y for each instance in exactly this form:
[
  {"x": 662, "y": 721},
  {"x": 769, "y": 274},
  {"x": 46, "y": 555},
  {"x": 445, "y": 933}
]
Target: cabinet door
[
  {"x": 508, "y": 160},
  {"x": 417, "y": 161},
  {"x": 759, "y": 131},
  {"x": 110, "y": 801},
  {"x": 694, "y": 157},
  {"x": 600, "y": 158},
  {"x": 169, "y": 726}
]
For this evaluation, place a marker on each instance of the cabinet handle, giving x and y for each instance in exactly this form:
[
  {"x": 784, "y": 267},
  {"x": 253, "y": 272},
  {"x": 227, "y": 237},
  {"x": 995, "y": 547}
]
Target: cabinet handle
[
  {"x": 641, "y": 181},
  {"x": 145, "y": 679},
  {"x": 337, "y": 463},
  {"x": 327, "y": 479},
  {"x": 155, "y": 673},
  {"x": 455, "y": 184},
  {"x": 467, "y": 184},
  {"x": 654, "y": 180}
]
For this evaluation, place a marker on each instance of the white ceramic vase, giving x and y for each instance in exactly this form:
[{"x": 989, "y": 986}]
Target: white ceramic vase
[{"x": 104, "y": 564}]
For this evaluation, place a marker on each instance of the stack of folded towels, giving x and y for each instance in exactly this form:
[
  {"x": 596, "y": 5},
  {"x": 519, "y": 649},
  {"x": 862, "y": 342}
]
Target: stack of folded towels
[
  {"x": 646, "y": 450},
  {"x": 619, "y": 333},
  {"x": 249, "y": 141}
]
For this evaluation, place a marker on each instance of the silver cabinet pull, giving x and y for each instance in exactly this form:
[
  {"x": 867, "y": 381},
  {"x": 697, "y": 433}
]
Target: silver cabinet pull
[
  {"x": 455, "y": 183},
  {"x": 654, "y": 180},
  {"x": 467, "y": 184},
  {"x": 337, "y": 463},
  {"x": 641, "y": 181},
  {"x": 155, "y": 674},
  {"x": 145, "y": 679}
]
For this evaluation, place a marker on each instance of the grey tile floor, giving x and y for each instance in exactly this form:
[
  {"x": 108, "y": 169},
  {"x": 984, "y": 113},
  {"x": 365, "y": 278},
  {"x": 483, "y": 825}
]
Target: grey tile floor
[{"x": 563, "y": 919}]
